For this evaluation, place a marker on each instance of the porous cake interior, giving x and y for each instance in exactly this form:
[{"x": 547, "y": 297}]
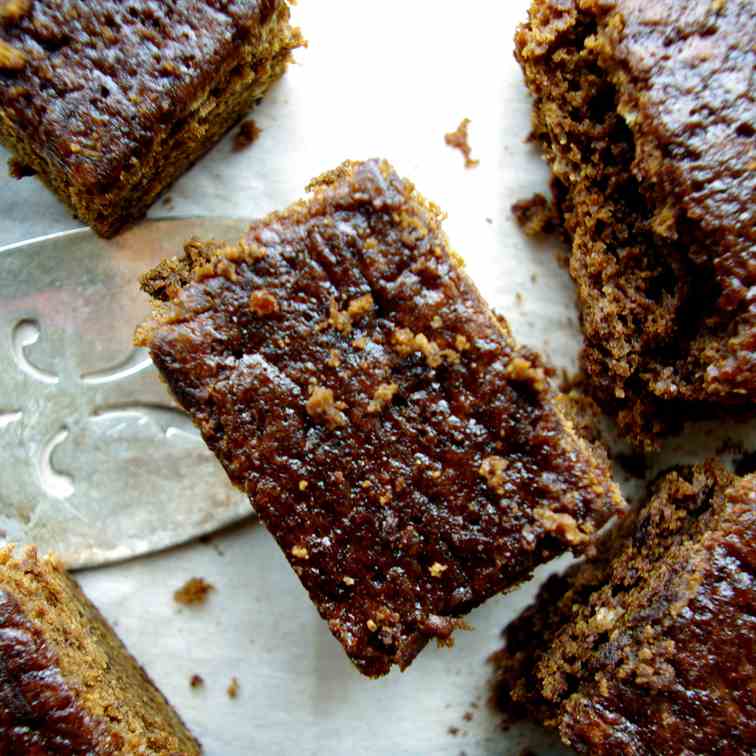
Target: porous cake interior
[
  {"x": 647, "y": 288},
  {"x": 114, "y": 693}
]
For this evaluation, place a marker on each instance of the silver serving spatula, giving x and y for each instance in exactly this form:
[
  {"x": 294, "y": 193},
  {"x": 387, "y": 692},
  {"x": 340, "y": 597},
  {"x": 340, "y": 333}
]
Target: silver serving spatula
[{"x": 96, "y": 460}]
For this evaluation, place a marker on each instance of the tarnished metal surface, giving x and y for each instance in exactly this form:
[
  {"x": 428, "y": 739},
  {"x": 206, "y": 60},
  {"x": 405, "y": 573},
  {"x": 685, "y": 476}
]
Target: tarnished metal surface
[{"x": 96, "y": 461}]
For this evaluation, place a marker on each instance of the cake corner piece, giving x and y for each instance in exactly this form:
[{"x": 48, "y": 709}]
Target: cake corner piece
[
  {"x": 405, "y": 453},
  {"x": 140, "y": 93},
  {"x": 67, "y": 683},
  {"x": 648, "y": 647}
]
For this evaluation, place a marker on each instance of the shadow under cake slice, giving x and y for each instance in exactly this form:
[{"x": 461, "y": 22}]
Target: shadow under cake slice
[
  {"x": 649, "y": 647},
  {"x": 405, "y": 453},
  {"x": 67, "y": 684},
  {"x": 645, "y": 112},
  {"x": 110, "y": 102}
]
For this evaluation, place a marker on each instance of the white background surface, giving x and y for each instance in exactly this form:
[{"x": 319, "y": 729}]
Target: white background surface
[{"x": 383, "y": 79}]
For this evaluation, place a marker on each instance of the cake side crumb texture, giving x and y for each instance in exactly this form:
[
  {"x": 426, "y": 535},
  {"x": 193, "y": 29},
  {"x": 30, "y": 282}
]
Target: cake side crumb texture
[
  {"x": 358, "y": 413},
  {"x": 646, "y": 112}
]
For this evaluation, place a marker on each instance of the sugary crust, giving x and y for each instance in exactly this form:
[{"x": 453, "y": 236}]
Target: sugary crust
[
  {"x": 646, "y": 112},
  {"x": 67, "y": 684},
  {"x": 649, "y": 647},
  {"x": 114, "y": 100},
  {"x": 357, "y": 412}
]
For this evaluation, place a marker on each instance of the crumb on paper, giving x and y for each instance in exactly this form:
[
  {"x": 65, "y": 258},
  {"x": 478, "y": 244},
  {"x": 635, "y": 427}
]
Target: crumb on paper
[
  {"x": 17, "y": 169},
  {"x": 247, "y": 134},
  {"x": 535, "y": 215},
  {"x": 233, "y": 688},
  {"x": 459, "y": 141},
  {"x": 193, "y": 592},
  {"x": 196, "y": 681}
]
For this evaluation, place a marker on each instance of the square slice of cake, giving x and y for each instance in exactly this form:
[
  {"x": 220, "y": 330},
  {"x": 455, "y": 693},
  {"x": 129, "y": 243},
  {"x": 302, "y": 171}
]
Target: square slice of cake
[
  {"x": 645, "y": 110},
  {"x": 109, "y": 102},
  {"x": 67, "y": 683},
  {"x": 649, "y": 647},
  {"x": 405, "y": 453}
]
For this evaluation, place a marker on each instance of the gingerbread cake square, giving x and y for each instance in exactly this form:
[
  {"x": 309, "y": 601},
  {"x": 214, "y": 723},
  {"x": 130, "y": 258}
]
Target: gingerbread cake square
[
  {"x": 67, "y": 683},
  {"x": 648, "y": 648},
  {"x": 109, "y": 102},
  {"x": 645, "y": 111},
  {"x": 405, "y": 453}
]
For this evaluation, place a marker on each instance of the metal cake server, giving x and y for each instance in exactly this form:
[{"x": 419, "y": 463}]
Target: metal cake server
[{"x": 96, "y": 460}]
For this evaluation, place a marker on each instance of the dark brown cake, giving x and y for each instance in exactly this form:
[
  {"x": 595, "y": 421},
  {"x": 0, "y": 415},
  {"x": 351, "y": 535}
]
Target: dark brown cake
[
  {"x": 404, "y": 452},
  {"x": 67, "y": 684},
  {"x": 645, "y": 110},
  {"x": 649, "y": 648},
  {"x": 109, "y": 101}
]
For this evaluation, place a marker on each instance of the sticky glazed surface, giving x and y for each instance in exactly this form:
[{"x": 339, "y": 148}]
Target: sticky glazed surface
[
  {"x": 405, "y": 454},
  {"x": 645, "y": 111},
  {"x": 649, "y": 647},
  {"x": 110, "y": 101}
]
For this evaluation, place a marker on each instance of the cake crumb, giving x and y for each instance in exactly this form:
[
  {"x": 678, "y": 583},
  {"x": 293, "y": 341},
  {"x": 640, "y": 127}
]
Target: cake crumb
[
  {"x": 11, "y": 59},
  {"x": 233, "y": 688},
  {"x": 348, "y": 580},
  {"x": 342, "y": 320},
  {"x": 263, "y": 303},
  {"x": 492, "y": 469},
  {"x": 300, "y": 552},
  {"x": 461, "y": 343},
  {"x": 193, "y": 592},
  {"x": 246, "y": 135},
  {"x": 535, "y": 215},
  {"x": 371, "y": 625},
  {"x": 407, "y": 342},
  {"x": 322, "y": 406},
  {"x": 360, "y": 306},
  {"x": 17, "y": 169},
  {"x": 196, "y": 681},
  {"x": 561, "y": 523},
  {"x": 334, "y": 360},
  {"x": 382, "y": 397},
  {"x": 459, "y": 141},
  {"x": 12, "y": 11},
  {"x": 437, "y": 569},
  {"x": 303, "y": 485}
]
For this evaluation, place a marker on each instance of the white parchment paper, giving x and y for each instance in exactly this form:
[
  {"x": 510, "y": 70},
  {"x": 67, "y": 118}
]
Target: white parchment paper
[{"x": 383, "y": 79}]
